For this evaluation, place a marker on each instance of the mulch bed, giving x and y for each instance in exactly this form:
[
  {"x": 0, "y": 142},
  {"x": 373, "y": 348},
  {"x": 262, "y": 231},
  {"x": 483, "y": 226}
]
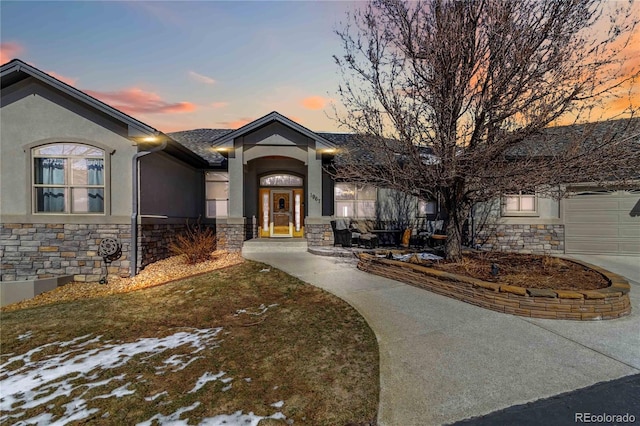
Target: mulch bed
[
  {"x": 526, "y": 270},
  {"x": 161, "y": 272}
]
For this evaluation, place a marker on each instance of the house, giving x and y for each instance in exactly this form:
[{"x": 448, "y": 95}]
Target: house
[
  {"x": 75, "y": 171},
  {"x": 69, "y": 178},
  {"x": 592, "y": 220}
]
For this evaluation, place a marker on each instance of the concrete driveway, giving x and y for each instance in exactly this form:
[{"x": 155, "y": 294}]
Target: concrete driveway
[{"x": 442, "y": 360}]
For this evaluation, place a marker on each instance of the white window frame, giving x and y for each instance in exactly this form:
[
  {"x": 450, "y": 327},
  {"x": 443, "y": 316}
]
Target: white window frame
[
  {"x": 519, "y": 197},
  {"x": 68, "y": 186},
  {"x": 216, "y": 177},
  {"x": 427, "y": 208},
  {"x": 357, "y": 202}
]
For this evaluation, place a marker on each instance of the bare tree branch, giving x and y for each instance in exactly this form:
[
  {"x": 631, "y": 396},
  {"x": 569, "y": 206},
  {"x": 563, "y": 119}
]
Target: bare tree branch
[{"x": 457, "y": 99}]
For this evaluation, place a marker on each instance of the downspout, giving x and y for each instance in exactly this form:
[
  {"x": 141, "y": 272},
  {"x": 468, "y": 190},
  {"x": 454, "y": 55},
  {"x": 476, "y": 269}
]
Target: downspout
[{"x": 134, "y": 205}]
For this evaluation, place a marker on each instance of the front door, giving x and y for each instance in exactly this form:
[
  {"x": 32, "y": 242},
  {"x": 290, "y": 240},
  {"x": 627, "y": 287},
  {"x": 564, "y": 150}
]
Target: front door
[{"x": 281, "y": 212}]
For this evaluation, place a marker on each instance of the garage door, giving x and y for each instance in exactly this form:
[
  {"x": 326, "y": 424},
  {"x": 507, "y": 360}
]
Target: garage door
[{"x": 603, "y": 222}]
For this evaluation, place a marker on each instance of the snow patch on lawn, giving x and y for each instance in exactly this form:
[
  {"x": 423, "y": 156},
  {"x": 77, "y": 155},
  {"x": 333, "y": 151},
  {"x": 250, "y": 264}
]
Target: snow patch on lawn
[
  {"x": 262, "y": 309},
  {"x": 25, "y": 336},
  {"x": 235, "y": 419},
  {"x": 41, "y": 379},
  {"x": 206, "y": 378},
  {"x": 156, "y": 396}
]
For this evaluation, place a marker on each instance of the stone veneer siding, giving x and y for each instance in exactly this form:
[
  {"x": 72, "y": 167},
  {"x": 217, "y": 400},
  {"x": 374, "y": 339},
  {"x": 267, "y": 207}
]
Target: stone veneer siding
[
  {"x": 319, "y": 235},
  {"x": 36, "y": 250},
  {"x": 154, "y": 242},
  {"x": 230, "y": 236},
  {"x": 527, "y": 239}
]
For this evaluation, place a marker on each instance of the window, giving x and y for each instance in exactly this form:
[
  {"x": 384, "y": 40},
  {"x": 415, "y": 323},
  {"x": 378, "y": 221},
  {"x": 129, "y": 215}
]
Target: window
[
  {"x": 217, "y": 194},
  {"x": 280, "y": 180},
  {"x": 427, "y": 207},
  {"x": 355, "y": 200},
  {"x": 68, "y": 178},
  {"x": 522, "y": 203}
]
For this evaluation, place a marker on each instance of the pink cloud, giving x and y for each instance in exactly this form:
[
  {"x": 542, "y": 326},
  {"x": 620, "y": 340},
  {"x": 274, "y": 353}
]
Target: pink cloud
[
  {"x": 137, "y": 101},
  {"x": 9, "y": 50},
  {"x": 201, "y": 78},
  {"x": 236, "y": 124},
  {"x": 219, "y": 104},
  {"x": 70, "y": 81},
  {"x": 314, "y": 102}
]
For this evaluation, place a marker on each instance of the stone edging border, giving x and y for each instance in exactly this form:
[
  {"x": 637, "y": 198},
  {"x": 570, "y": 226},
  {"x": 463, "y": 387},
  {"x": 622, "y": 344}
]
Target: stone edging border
[{"x": 606, "y": 303}]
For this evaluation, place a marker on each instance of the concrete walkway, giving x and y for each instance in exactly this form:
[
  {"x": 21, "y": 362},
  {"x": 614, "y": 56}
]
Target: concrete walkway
[{"x": 442, "y": 360}]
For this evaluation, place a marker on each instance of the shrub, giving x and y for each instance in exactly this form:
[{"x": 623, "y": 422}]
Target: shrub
[{"x": 196, "y": 243}]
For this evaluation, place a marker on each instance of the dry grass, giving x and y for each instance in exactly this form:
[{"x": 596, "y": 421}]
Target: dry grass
[{"x": 308, "y": 349}]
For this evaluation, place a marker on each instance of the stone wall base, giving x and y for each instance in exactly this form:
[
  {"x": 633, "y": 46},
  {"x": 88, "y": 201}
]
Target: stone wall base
[
  {"x": 230, "y": 236},
  {"x": 318, "y": 235},
  {"x": 32, "y": 251},
  {"x": 154, "y": 242},
  {"x": 526, "y": 239}
]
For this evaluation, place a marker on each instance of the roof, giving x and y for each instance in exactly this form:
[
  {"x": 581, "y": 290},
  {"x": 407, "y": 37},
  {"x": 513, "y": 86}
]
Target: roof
[
  {"x": 227, "y": 139},
  {"x": 200, "y": 141},
  {"x": 558, "y": 139},
  {"x": 204, "y": 142},
  {"x": 339, "y": 139},
  {"x": 16, "y": 70}
]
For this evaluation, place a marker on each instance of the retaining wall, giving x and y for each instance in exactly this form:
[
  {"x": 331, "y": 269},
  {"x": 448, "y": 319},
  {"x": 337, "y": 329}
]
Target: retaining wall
[{"x": 607, "y": 303}]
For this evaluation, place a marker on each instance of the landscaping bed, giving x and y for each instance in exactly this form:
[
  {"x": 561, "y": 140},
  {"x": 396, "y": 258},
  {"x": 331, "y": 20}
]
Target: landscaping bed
[
  {"x": 158, "y": 273},
  {"x": 525, "y": 270},
  {"x": 562, "y": 301}
]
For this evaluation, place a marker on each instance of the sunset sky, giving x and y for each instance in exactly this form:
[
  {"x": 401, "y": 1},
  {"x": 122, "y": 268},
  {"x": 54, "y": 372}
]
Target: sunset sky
[{"x": 186, "y": 65}]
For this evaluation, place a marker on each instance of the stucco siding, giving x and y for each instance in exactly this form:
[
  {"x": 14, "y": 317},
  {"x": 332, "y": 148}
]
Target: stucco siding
[
  {"x": 275, "y": 134},
  {"x": 169, "y": 187},
  {"x": 33, "y": 114}
]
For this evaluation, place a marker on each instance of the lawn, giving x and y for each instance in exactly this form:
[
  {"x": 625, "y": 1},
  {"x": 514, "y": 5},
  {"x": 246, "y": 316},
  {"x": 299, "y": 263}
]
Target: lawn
[{"x": 247, "y": 344}]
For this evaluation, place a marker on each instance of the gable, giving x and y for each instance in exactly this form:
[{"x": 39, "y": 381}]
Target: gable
[
  {"x": 288, "y": 131},
  {"x": 44, "y": 107},
  {"x": 275, "y": 134},
  {"x": 17, "y": 71}
]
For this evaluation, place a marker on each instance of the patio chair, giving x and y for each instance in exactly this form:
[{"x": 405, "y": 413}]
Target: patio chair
[{"x": 341, "y": 233}]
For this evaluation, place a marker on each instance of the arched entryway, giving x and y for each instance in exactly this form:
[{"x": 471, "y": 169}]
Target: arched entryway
[{"x": 281, "y": 205}]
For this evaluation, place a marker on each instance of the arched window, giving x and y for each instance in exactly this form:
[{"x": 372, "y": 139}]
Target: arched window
[
  {"x": 280, "y": 179},
  {"x": 68, "y": 178}
]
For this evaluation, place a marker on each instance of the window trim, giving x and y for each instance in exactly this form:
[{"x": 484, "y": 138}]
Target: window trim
[
  {"x": 206, "y": 197},
  {"x": 355, "y": 202},
  {"x": 421, "y": 202},
  {"x": 519, "y": 213},
  {"x": 69, "y": 186}
]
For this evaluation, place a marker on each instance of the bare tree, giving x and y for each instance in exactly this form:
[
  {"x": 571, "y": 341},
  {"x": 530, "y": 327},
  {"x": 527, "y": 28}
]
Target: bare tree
[{"x": 455, "y": 99}]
